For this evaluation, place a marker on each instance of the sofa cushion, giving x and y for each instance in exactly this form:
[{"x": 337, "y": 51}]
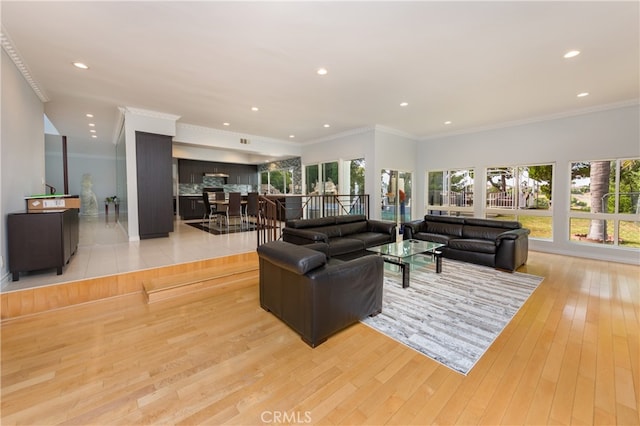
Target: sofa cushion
[
  {"x": 350, "y": 218},
  {"x": 347, "y": 229},
  {"x": 311, "y": 223},
  {"x": 454, "y": 229},
  {"x": 342, "y": 245},
  {"x": 474, "y": 245},
  {"x": 493, "y": 223},
  {"x": 482, "y": 232},
  {"x": 297, "y": 259},
  {"x": 371, "y": 239},
  {"x": 436, "y": 238}
]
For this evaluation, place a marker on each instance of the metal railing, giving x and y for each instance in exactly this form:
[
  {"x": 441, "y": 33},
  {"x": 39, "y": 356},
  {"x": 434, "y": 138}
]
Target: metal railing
[{"x": 274, "y": 211}]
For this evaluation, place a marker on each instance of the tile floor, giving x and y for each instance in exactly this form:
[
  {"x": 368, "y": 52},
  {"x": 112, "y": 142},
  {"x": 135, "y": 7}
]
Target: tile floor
[{"x": 104, "y": 249}]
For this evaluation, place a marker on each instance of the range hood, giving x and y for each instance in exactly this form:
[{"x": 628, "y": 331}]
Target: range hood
[{"x": 220, "y": 175}]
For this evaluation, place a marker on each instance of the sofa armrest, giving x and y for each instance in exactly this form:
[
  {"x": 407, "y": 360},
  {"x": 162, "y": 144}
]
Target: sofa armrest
[
  {"x": 381, "y": 226},
  {"x": 413, "y": 227},
  {"x": 345, "y": 293},
  {"x": 512, "y": 234},
  {"x": 303, "y": 236},
  {"x": 512, "y": 249},
  {"x": 297, "y": 259}
]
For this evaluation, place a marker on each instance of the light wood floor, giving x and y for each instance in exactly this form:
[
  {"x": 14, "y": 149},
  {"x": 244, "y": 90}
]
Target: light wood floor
[{"x": 571, "y": 355}]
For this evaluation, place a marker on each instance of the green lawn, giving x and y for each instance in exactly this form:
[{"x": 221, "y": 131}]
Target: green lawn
[{"x": 541, "y": 228}]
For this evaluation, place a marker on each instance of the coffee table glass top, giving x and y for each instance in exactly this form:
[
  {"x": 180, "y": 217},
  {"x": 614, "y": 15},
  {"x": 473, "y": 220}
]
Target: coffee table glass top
[{"x": 406, "y": 248}]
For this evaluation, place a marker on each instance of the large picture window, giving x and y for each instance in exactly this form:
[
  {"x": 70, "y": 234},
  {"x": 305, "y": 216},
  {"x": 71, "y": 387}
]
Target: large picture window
[
  {"x": 522, "y": 193},
  {"x": 322, "y": 178},
  {"x": 277, "y": 181},
  {"x": 450, "y": 191},
  {"x": 605, "y": 202}
]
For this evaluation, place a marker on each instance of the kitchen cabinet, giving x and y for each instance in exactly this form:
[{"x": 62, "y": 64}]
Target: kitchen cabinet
[
  {"x": 191, "y": 171},
  {"x": 191, "y": 207},
  {"x": 155, "y": 185},
  {"x": 41, "y": 240},
  {"x": 244, "y": 174}
]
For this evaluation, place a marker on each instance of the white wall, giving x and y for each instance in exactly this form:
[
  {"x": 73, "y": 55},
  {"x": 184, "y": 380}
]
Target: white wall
[
  {"x": 256, "y": 148},
  {"x": 606, "y": 134},
  {"x": 22, "y": 151},
  {"x": 394, "y": 151},
  {"x": 346, "y": 146}
]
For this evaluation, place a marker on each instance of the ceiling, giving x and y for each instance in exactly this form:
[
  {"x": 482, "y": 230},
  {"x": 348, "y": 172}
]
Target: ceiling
[{"x": 475, "y": 64}]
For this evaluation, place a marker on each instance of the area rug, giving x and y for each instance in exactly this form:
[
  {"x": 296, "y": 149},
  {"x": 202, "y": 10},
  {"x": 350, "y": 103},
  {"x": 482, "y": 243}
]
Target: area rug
[
  {"x": 455, "y": 316},
  {"x": 218, "y": 230}
]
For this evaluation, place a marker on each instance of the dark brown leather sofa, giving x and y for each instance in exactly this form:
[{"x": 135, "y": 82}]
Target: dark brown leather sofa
[
  {"x": 314, "y": 296},
  {"x": 347, "y": 236},
  {"x": 496, "y": 243}
]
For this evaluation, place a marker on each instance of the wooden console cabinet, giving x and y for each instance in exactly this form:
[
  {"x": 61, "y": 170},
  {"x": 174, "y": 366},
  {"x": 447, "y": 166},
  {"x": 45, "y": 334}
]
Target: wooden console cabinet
[{"x": 41, "y": 240}]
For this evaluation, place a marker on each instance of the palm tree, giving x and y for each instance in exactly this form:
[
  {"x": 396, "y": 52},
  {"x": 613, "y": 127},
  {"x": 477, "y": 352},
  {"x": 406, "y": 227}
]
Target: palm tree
[{"x": 599, "y": 187}]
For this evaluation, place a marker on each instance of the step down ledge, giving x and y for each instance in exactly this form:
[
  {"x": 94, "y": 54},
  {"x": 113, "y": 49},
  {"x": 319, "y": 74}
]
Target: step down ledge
[{"x": 182, "y": 279}]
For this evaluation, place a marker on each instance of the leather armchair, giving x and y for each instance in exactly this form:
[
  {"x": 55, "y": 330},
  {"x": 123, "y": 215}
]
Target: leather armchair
[{"x": 314, "y": 296}]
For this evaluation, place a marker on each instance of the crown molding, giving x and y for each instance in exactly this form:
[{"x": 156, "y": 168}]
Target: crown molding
[
  {"x": 9, "y": 47},
  {"x": 119, "y": 127},
  {"x": 515, "y": 123},
  {"x": 149, "y": 113},
  {"x": 346, "y": 133},
  {"x": 395, "y": 132},
  {"x": 213, "y": 131},
  {"x": 359, "y": 130}
]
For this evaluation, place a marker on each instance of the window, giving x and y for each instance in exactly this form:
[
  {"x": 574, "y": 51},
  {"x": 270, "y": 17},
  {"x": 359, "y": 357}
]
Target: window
[
  {"x": 276, "y": 181},
  {"x": 450, "y": 191},
  {"x": 311, "y": 178},
  {"x": 605, "y": 202},
  {"x": 522, "y": 193},
  {"x": 396, "y": 195},
  {"x": 322, "y": 179},
  {"x": 356, "y": 176}
]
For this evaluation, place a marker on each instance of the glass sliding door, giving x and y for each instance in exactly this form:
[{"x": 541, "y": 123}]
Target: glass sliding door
[{"x": 396, "y": 195}]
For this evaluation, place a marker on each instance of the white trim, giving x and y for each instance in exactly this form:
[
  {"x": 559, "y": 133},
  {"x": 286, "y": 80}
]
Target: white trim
[
  {"x": 149, "y": 113},
  {"x": 340, "y": 135},
  {"x": 15, "y": 56},
  {"x": 214, "y": 131},
  {"x": 573, "y": 113}
]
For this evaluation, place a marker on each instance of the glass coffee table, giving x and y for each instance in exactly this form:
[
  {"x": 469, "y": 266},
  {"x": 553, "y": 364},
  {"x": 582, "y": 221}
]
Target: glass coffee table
[{"x": 400, "y": 254}]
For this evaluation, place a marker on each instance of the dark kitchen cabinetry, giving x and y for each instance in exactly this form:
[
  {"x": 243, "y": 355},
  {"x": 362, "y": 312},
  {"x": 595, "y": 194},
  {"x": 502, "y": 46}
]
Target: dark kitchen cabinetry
[
  {"x": 244, "y": 174},
  {"x": 155, "y": 185},
  {"x": 191, "y": 171},
  {"x": 191, "y": 207},
  {"x": 41, "y": 240}
]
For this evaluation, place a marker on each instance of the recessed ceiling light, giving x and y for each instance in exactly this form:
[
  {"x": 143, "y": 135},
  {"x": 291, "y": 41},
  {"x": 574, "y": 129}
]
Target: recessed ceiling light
[
  {"x": 583, "y": 94},
  {"x": 254, "y": 108},
  {"x": 81, "y": 65},
  {"x": 322, "y": 71},
  {"x": 92, "y": 125},
  {"x": 404, "y": 104},
  {"x": 226, "y": 124},
  {"x": 92, "y": 130},
  {"x": 447, "y": 122},
  {"x": 94, "y": 136},
  {"x": 90, "y": 115},
  {"x": 327, "y": 125},
  {"x": 571, "y": 54},
  {"x": 292, "y": 136}
]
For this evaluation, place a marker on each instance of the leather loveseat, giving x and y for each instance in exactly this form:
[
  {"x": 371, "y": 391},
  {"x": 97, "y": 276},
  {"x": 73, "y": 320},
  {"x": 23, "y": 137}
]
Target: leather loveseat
[
  {"x": 315, "y": 296},
  {"x": 347, "y": 237},
  {"x": 496, "y": 243}
]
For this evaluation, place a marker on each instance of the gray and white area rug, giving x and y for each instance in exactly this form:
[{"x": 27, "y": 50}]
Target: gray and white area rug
[{"x": 455, "y": 316}]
